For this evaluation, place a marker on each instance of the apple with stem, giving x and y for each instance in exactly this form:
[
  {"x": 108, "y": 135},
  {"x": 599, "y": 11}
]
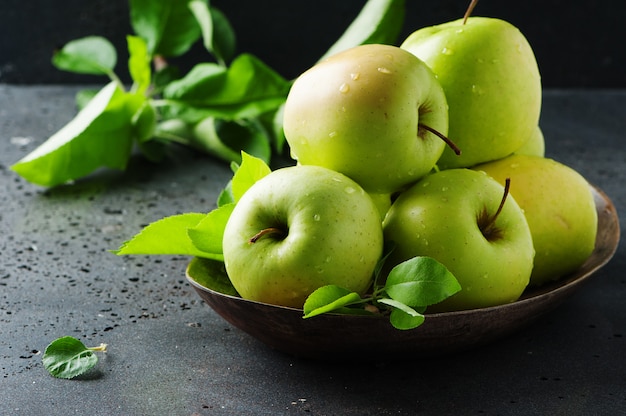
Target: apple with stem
[
  {"x": 300, "y": 228},
  {"x": 468, "y": 222},
  {"x": 560, "y": 209},
  {"x": 492, "y": 84},
  {"x": 375, "y": 113}
]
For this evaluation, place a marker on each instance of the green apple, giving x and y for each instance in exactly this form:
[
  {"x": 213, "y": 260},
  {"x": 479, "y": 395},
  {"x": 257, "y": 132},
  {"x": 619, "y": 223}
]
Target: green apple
[
  {"x": 454, "y": 216},
  {"x": 366, "y": 112},
  {"x": 560, "y": 209},
  {"x": 382, "y": 202},
  {"x": 492, "y": 84},
  {"x": 300, "y": 228},
  {"x": 534, "y": 146}
]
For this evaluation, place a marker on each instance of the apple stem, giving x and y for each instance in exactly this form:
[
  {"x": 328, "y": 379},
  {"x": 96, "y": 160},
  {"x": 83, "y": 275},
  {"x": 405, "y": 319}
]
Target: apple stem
[
  {"x": 487, "y": 229},
  {"x": 449, "y": 142},
  {"x": 264, "y": 232},
  {"x": 469, "y": 10}
]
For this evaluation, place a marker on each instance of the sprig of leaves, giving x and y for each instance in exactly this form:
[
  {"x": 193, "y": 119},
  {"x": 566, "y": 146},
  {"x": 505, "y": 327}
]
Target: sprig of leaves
[
  {"x": 410, "y": 287},
  {"x": 231, "y": 102},
  {"x": 67, "y": 357}
]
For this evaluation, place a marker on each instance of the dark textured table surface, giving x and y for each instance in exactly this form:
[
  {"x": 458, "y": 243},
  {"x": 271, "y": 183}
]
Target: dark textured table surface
[{"x": 170, "y": 354}]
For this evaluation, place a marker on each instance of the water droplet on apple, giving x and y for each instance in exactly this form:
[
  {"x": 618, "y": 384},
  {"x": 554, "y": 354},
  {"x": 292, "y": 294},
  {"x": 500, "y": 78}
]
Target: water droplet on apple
[
  {"x": 328, "y": 259},
  {"x": 350, "y": 190},
  {"x": 444, "y": 189},
  {"x": 355, "y": 76},
  {"x": 425, "y": 184},
  {"x": 332, "y": 134},
  {"x": 477, "y": 90},
  {"x": 316, "y": 217},
  {"x": 384, "y": 70},
  {"x": 344, "y": 88},
  {"x": 447, "y": 51}
]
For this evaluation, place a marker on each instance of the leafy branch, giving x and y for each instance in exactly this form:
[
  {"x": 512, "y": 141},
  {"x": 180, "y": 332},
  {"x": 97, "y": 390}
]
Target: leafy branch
[
  {"x": 409, "y": 288},
  {"x": 229, "y": 104}
]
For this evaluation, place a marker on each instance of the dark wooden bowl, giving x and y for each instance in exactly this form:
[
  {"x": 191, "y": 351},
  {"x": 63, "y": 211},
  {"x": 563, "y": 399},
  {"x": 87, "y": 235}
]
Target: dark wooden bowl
[{"x": 350, "y": 337}]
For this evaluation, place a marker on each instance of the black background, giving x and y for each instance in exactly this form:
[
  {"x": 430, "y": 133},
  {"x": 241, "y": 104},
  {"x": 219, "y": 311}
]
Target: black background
[{"x": 578, "y": 44}]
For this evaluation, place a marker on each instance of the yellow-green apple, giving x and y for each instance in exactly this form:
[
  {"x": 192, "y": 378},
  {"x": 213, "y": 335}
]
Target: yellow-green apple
[
  {"x": 534, "y": 146},
  {"x": 382, "y": 202},
  {"x": 492, "y": 84},
  {"x": 368, "y": 112},
  {"x": 300, "y": 228},
  {"x": 465, "y": 220},
  {"x": 560, "y": 209}
]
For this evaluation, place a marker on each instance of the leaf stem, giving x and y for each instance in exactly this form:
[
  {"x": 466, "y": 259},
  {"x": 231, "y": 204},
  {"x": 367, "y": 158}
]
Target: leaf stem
[{"x": 101, "y": 348}]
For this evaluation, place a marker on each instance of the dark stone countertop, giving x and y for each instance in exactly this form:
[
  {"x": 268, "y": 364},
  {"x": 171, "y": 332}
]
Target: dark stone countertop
[{"x": 170, "y": 354}]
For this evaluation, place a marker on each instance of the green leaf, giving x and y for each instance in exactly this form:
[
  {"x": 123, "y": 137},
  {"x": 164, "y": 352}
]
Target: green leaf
[
  {"x": 250, "y": 171},
  {"x": 167, "y": 236},
  {"x": 89, "y": 55},
  {"x": 207, "y": 236},
  {"x": 247, "y": 89},
  {"x": 217, "y": 33},
  {"x": 139, "y": 63},
  {"x": 402, "y": 316},
  {"x": 99, "y": 136},
  {"x": 67, "y": 357},
  {"x": 329, "y": 298},
  {"x": 226, "y": 139},
  {"x": 144, "y": 121},
  {"x": 84, "y": 96},
  {"x": 168, "y": 26},
  {"x": 379, "y": 21},
  {"x": 420, "y": 281},
  {"x": 211, "y": 274},
  {"x": 226, "y": 196}
]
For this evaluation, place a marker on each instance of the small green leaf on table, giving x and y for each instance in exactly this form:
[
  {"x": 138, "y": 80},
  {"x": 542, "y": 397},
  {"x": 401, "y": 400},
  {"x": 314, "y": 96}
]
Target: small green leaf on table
[{"x": 67, "y": 357}]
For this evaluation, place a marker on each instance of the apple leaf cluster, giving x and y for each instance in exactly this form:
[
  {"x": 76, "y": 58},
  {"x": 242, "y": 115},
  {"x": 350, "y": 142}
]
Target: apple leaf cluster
[
  {"x": 230, "y": 104},
  {"x": 67, "y": 357},
  {"x": 409, "y": 288}
]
